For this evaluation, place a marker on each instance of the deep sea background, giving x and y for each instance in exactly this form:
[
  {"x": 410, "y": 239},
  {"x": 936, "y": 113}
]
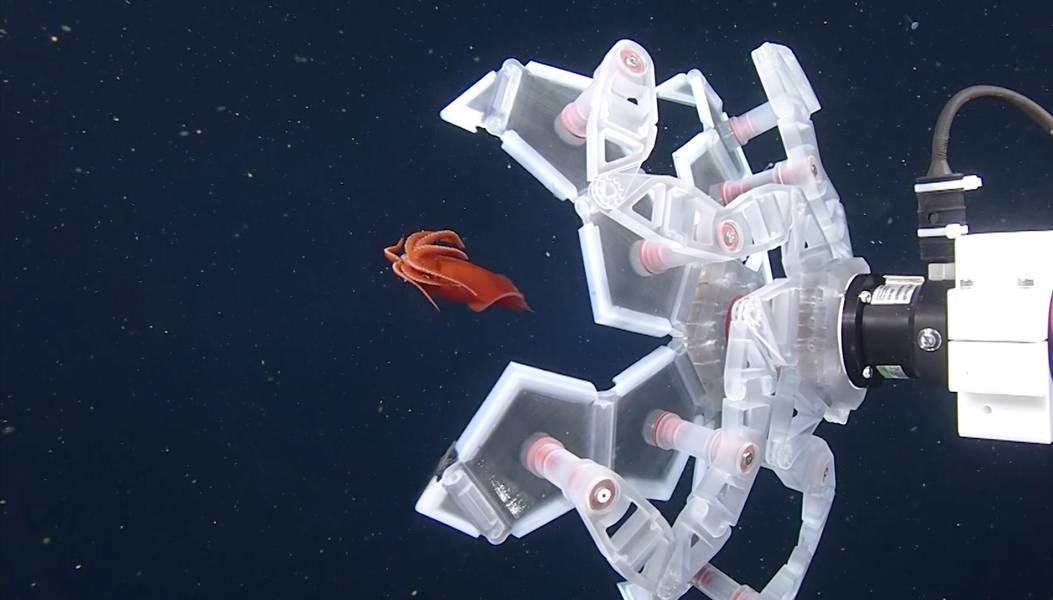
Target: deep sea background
[{"x": 211, "y": 385}]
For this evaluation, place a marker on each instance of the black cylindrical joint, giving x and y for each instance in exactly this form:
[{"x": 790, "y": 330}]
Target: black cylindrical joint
[
  {"x": 895, "y": 328},
  {"x": 886, "y": 337},
  {"x": 859, "y": 372}
]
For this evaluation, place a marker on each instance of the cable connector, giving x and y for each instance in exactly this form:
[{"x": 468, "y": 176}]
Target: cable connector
[{"x": 942, "y": 216}]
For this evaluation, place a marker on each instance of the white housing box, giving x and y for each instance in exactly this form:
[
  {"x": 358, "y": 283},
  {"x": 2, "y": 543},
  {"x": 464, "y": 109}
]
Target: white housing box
[{"x": 998, "y": 319}]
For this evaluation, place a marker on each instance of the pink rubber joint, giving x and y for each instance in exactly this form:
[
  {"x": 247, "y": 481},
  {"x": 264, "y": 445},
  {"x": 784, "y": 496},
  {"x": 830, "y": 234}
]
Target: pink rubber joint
[
  {"x": 703, "y": 576},
  {"x": 573, "y": 121},
  {"x": 742, "y": 128},
  {"x": 653, "y": 257},
  {"x": 538, "y": 452},
  {"x": 665, "y": 427}
]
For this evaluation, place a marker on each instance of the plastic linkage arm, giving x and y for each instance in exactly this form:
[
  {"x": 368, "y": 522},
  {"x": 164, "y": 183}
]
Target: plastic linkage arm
[
  {"x": 802, "y": 461},
  {"x": 681, "y": 224},
  {"x": 617, "y": 114},
  {"x": 731, "y": 456},
  {"x": 628, "y": 530}
]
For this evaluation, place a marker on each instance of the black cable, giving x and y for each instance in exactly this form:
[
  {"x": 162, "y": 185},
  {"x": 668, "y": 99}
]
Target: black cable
[{"x": 941, "y": 134}]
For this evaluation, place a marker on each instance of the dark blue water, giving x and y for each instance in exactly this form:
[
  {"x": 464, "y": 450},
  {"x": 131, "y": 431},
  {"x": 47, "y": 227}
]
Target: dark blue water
[{"x": 213, "y": 387}]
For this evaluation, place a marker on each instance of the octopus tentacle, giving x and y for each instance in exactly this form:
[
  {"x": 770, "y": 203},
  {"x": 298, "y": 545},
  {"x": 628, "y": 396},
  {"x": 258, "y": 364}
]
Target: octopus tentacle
[
  {"x": 391, "y": 252},
  {"x": 445, "y": 235},
  {"x": 411, "y": 241},
  {"x": 441, "y": 250},
  {"x": 437, "y": 275},
  {"x": 398, "y": 268},
  {"x": 412, "y": 271}
]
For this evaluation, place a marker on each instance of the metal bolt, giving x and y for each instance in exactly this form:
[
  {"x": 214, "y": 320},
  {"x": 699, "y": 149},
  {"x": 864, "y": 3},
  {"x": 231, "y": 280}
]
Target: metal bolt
[
  {"x": 865, "y": 296},
  {"x": 868, "y": 372},
  {"x": 633, "y": 62},
  {"x": 929, "y": 339},
  {"x": 749, "y": 453},
  {"x": 729, "y": 236}
]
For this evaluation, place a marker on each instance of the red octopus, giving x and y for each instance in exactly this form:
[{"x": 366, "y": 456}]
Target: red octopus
[{"x": 436, "y": 264}]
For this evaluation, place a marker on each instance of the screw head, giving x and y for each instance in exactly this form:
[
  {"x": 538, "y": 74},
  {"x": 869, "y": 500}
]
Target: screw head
[
  {"x": 602, "y": 495},
  {"x": 730, "y": 238},
  {"x": 633, "y": 62},
  {"x": 747, "y": 456},
  {"x": 929, "y": 339},
  {"x": 865, "y": 296},
  {"x": 868, "y": 372}
]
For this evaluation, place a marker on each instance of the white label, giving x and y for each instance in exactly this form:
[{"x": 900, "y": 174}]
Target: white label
[{"x": 896, "y": 290}]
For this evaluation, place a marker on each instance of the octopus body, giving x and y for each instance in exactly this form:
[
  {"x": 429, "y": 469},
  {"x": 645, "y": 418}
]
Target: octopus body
[{"x": 436, "y": 264}]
